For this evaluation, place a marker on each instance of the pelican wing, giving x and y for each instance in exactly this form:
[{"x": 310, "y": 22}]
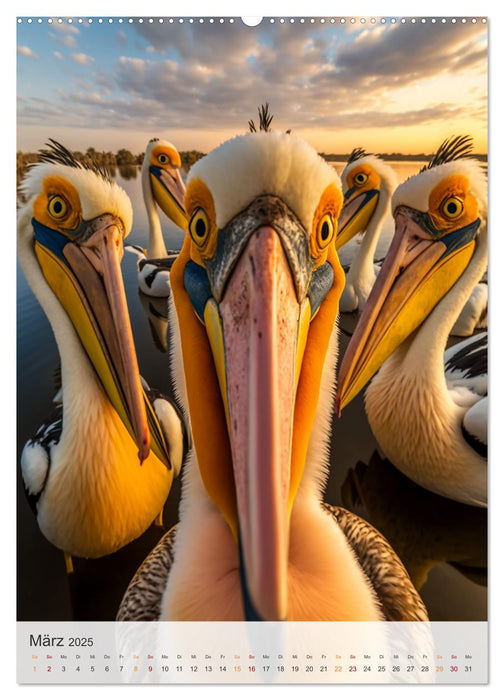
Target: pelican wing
[
  {"x": 142, "y": 599},
  {"x": 173, "y": 423},
  {"x": 154, "y": 273},
  {"x": 466, "y": 367},
  {"x": 36, "y": 456},
  {"x": 474, "y": 426},
  {"x": 136, "y": 250},
  {"x": 396, "y": 594}
]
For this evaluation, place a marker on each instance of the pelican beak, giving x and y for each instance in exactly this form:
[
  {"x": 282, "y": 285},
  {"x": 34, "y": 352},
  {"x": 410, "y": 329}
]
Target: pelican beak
[
  {"x": 86, "y": 277},
  {"x": 169, "y": 191},
  {"x": 253, "y": 364},
  {"x": 421, "y": 266},
  {"x": 355, "y": 215},
  {"x": 260, "y": 318},
  {"x": 256, "y": 314}
]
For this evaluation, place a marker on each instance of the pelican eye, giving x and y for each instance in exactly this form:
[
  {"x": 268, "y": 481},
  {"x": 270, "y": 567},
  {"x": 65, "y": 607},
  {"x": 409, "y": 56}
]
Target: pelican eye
[
  {"x": 57, "y": 207},
  {"x": 325, "y": 230},
  {"x": 360, "y": 179},
  {"x": 199, "y": 227},
  {"x": 452, "y": 207},
  {"x": 163, "y": 159}
]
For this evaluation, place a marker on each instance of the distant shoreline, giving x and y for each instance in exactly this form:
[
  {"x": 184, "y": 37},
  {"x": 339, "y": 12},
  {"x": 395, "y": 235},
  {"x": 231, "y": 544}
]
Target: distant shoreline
[
  {"x": 125, "y": 159},
  {"x": 195, "y": 155},
  {"x": 342, "y": 158}
]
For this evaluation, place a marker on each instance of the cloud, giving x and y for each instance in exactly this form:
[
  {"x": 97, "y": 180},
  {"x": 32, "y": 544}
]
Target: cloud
[
  {"x": 215, "y": 76},
  {"x": 104, "y": 80},
  {"x": 388, "y": 120},
  {"x": 26, "y": 51},
  {"x": 58, "y": 55},
  {"x": 38, "y": 111},
  {"x": 122, "y": 39},
  {"x": 65, "y": 28},
  {"x": 68, "y": 41},
  {"x": 403, "y": 54},
  {"x": 211, "y": 44},
  {"x": 82, "y": 59}
]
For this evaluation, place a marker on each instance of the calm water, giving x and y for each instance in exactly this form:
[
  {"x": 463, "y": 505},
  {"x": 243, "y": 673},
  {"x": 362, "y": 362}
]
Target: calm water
[{"x": 442, "y": 543}]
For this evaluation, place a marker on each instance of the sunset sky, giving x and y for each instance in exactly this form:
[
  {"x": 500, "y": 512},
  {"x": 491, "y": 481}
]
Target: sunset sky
[{"x": 385, "y": 87}]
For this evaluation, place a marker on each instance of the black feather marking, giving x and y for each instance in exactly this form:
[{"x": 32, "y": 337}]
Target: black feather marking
[
  {"x": 49, "y": 432},
  {"x": 58, "y": 382},
  {"x": 59, "y": 154},
  {"x": 451, "y": 149},
  {"x": 474, "y": 443},
  {"x": 160, "y": 266},
  {"x": 356, "y": 154},
  {"x": 471, "y": 360},
  {"x": 33, "y": 499},
  {"x": 152, "y": 395},
  {"x": 134, "y": 246},
  {"x": 47, "y": 436}
]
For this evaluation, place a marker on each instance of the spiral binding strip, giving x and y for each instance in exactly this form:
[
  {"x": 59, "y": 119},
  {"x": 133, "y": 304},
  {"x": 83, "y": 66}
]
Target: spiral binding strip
[{"x": 266, "y": 20}]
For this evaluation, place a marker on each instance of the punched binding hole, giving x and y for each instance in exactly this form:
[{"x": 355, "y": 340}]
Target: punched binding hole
[{"x": 251, "y": 21}]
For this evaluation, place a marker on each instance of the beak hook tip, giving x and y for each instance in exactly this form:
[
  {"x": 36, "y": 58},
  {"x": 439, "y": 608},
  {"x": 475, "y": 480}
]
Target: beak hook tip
[{"x": 143, "y": 451}]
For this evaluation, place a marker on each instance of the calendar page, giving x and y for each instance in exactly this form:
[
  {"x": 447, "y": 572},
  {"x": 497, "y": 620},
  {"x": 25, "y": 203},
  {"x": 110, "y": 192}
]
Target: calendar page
[{"x": 252, "y": 307}]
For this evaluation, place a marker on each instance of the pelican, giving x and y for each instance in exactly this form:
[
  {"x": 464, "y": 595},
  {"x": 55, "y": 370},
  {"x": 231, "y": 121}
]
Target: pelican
[
  {"x": 162, "y": 185},
  {"x": 99, "y": 471},
  {"x": 253, "y": 312},
  {"x": 368, "y": 186},
  {"x": 427, "y": 408}
]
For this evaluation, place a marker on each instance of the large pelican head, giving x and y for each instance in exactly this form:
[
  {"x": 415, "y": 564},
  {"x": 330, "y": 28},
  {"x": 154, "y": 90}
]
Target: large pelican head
[
  {"x": 438, "y": 215},
  {"x": 366, "y": 179},
  {"x": 256, "y": 289},
  {"x": 161, "y": 173},
  {"x": 70, "y": 243}
]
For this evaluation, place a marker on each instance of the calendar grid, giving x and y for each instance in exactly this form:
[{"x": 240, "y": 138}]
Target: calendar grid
[{"x": 220, "y": 652}]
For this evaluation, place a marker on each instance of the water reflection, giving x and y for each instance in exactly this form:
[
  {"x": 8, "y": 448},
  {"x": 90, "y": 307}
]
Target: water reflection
[
  {"x": 128, "y": 172},
  {"x": 423, "y": 528},
  {"x": 156, "y": 310}
]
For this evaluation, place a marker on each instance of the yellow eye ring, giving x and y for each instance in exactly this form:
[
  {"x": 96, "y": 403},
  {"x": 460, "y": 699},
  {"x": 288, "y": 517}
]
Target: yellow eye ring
[
  {"x": 360, "y": 179},
  {"x": 57, "y": 207},
  {"x": 163, "y": 158},
  {"x": 452, "y": 208},
  {"x": 199, "y": 227},
  {"x": 325, "y": 231}
]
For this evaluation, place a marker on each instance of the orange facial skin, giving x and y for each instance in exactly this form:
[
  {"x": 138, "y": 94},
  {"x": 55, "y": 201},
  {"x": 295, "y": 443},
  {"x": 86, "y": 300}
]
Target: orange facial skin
[
  {"x": 67, "y": 214},
  {"x": 327, "y": 211},
  {"x": 198, "y": 196},
  {"x": 208, "y": 418},
  {"x": 165, "y": 156},
  {"x": 450, "y": 191},
  {"x": 363, "y": 178}
]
